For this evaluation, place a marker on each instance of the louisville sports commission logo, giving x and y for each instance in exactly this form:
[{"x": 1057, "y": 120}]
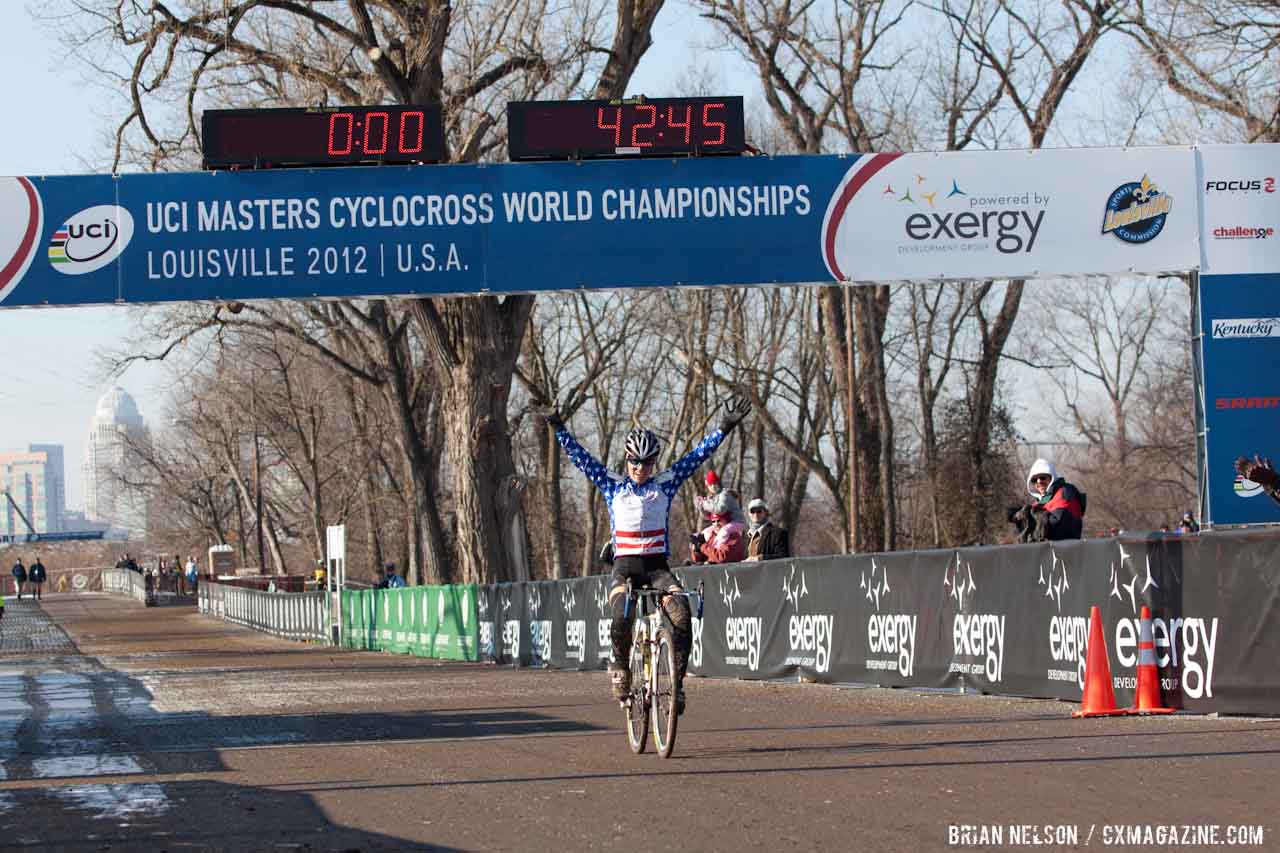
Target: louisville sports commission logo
[
  {"x": 21, "y": 220},
  {"x": 90, "y": 239},
  {"x": 1136, "y": 211}
]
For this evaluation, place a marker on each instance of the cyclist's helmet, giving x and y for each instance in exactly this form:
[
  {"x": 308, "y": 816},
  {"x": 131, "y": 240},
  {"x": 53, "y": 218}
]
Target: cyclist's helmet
[{"x": 642, "y": 445}]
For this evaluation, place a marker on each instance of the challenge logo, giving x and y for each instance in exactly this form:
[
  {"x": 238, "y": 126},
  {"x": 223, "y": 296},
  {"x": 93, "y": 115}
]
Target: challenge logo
[
  {"x": 21, "y": 220},
  {"x": 810, "y": 635},
  {"x": 486, "y": 626},
  {"x": 1242, "y": 232},
  {"x": 889, "y": 634},
  {"x": 1246, "y": 327},
  {"x": 977, "y": 639},
  {"x": 1136, "y": 211},
  {"x": 510, "y": 631},
  {"x": 539, "y": 629},
  {"x": 91, "y": 239}
]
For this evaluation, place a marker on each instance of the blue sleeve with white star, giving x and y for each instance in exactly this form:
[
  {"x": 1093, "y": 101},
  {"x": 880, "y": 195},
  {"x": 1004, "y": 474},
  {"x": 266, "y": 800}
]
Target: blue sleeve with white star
[
  {"x": 585, "y": 462},
  {"x": 687, "y": 464}
]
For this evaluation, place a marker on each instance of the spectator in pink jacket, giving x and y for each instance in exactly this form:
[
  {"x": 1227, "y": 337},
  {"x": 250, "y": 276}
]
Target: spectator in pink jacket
[{"x": 724, "y": 540}]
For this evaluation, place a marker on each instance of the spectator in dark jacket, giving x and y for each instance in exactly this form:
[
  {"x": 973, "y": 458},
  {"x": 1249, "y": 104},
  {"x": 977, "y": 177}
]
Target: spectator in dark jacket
[
  {"x": 765, "y": 540},
  {"x": 37, "y": 576},
  {"x": 19, "y": 577},
  {"x": 1058, "y": 505}
]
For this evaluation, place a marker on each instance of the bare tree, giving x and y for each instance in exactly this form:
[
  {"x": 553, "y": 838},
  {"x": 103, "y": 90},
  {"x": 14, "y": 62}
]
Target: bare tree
[{"x": 1221, "y": 56}]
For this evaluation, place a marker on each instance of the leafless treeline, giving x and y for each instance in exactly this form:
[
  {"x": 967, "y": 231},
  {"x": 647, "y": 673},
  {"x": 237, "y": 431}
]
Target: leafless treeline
[{"x": 406, "y": 420}]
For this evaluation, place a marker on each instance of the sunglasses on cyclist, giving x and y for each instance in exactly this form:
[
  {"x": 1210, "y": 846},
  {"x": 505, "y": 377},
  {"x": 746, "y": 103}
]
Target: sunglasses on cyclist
[
  {"x": 641, "y": 463},
  {"x": 1041, "y": 478}
]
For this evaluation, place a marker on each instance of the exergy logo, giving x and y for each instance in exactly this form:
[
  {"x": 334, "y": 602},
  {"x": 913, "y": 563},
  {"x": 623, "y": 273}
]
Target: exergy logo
[
  {"x": 810, "y": 635},
  {"x": 742, "y": 634},
  {"x": 1136, "y": 211},
  {"x": 977, "y": 639},
  {"x": 486, "y": 626},
  {"x": 1068, "y": 635},
  {"x": 604, "y": 642},
  {"x": 892, "y": 634},
  {"x": 575, "y": 630},
  {"x": 970, "y": 220},
  {"x": 539, "y": 629},
  {"x": 1188, "y": 645},
  {"x": 91, "y": 239},
  {"x": 510, "y": 630}
]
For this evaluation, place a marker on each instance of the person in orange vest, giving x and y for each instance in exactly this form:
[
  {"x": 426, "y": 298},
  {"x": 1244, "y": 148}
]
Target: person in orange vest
[{"x": 1058, "y": 505}]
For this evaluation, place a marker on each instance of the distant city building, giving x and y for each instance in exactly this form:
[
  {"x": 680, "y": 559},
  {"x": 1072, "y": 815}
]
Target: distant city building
[
  {"x": 35, "y": 482},
  {"x": 115, "y": 429}
]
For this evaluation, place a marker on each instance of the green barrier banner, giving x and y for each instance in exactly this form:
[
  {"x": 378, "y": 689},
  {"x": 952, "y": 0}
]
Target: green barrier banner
[
  {"x": 454, "y": 629},
  {"x": 427, "y": 621}
]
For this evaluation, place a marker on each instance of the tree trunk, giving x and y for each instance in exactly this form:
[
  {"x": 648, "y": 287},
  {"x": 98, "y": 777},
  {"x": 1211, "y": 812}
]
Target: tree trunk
[{"x": 476, "y": 342}]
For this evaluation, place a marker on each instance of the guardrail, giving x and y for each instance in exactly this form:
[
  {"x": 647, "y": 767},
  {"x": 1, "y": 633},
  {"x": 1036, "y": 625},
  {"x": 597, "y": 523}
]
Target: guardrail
[
  {"x": 291, "y": 615},
  {"x": 124, "y": 582}
]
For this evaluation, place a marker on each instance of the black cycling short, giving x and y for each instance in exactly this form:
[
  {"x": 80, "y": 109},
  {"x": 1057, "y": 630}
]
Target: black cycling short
[{"x": 648, "y": 570}]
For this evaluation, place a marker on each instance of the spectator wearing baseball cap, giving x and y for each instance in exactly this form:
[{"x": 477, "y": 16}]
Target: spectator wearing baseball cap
[{"x": 765, "y": 540}]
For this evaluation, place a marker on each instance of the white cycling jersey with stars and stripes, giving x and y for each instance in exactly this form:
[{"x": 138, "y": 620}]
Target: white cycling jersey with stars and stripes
[{"x": 638, "y": 513}]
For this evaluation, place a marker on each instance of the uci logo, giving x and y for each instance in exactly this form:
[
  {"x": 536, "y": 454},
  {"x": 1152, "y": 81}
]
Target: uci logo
[{"x": 91, "y": 239}]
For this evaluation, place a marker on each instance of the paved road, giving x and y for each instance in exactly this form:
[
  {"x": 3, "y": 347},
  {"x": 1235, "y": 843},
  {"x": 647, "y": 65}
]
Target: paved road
[{"x": 127, "y": 728}]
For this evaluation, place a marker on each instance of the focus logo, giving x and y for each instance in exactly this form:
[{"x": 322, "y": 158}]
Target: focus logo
[
  {"x": 810, "y": 634},
  {"x": 91, "y": 239},
  {"x": 21, "y": 220},
  {"x": 1136, "y": 211},
  {"x": 892, "y": 636},
  {"x": 1243, "y": 185}
]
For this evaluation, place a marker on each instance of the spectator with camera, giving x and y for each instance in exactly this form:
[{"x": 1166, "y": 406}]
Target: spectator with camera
[
  {"x": 1056, "y": 506},
  {"x": 724, "y": 540}
]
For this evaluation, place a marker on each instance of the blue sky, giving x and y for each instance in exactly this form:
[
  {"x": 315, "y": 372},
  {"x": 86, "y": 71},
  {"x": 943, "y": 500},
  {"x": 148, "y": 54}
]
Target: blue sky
[{"x": 51, "y": 381}]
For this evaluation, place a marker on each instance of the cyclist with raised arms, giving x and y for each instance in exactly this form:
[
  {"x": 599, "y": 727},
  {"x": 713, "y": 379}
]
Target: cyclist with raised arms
[{"x": 639, "y": 512}]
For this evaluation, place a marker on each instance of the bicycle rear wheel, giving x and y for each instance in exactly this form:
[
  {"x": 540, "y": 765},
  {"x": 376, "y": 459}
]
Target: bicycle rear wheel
[
  {"x": 664, "y": 698},
  {"x": 637, "y": 709}
]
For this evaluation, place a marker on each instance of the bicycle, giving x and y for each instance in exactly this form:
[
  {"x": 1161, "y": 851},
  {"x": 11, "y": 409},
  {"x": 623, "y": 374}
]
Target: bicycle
[{"x": 653, "y": 670}]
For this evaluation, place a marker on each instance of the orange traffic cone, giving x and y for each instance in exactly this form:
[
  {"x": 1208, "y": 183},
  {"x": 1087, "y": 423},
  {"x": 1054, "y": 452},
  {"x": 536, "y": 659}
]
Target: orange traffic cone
[
  {"x": 1147, "y": 696},
  {"x": 1099, "y": 699}
]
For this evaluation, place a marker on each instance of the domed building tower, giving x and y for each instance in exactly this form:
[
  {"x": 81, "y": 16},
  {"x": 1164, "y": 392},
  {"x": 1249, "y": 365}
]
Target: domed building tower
[{"x": 116, "y": 427}]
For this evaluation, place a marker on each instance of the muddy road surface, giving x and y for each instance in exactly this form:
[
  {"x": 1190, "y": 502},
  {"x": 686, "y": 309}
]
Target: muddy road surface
[{"x": 127, "y": 728}]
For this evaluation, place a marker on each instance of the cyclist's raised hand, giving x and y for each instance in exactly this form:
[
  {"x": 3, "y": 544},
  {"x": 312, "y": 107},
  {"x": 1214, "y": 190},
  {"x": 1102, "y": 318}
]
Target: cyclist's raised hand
[
  {"x": 734, "y": 410},
  {"x": 548, "y": 412}
]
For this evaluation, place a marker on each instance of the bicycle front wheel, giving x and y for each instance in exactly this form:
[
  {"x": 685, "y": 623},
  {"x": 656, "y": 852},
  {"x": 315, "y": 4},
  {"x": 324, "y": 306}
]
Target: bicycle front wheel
[
  {"x": 665, "y": 713},
  {"x": 637, "y": 709}
]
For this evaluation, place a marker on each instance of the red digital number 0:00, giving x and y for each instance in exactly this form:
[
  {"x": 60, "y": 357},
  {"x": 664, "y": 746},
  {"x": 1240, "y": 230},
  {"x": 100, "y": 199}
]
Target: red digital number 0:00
[
  {"x": 345, "y": 141},
  {"x": 671, "y": 120}
]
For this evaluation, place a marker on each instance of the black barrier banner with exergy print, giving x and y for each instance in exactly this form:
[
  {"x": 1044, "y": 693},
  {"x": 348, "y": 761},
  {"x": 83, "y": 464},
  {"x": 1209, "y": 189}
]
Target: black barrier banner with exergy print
[{"x": 1010, "y": 620}]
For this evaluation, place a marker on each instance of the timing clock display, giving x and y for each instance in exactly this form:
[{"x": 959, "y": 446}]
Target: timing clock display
[
  {"x": 559, "y": 130},
  {"x": 340, "y": 136}
]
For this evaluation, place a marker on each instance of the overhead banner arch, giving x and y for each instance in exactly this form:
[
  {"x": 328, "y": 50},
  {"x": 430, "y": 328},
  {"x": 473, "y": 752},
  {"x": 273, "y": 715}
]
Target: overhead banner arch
[{"x": 519, "y": 228}]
